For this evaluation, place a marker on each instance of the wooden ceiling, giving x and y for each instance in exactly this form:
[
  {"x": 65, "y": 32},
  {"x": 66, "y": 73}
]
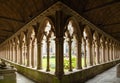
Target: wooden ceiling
[{"x": 103, "y": 13}]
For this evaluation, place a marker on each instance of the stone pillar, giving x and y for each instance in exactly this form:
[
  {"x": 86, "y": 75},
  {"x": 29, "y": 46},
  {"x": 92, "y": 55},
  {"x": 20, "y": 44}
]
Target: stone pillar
[
  {"x": 59, "y": 71},
  {"x": 21, "y": 54},
  {"x": 89, "y": 55},
  {"x": 113, "y": 51},
  {"x": 39, "y": 55},
  {"x": 29, "y": 55},
  {"x": 108, "y": 54},
  {"x": 16, "y": 52},
  {"x": 11, "y": 52},
  {"x": 94, "y": 54},
  {"x": 97, "y": 54},
  {"x": 59, "y": 41},
  {"x": 33, "y": 56},
  {"x": 70, "y": 56},
  {"x": 103, "y": 52},
  {"x": 85, "y": 58},
  {"x": 110, "y": 49},
  {"x": 79, "y": 55},
  {"x": 48, "y": 55}
]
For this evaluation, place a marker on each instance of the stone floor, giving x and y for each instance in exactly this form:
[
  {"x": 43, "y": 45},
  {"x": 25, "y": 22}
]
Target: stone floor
[
  {"x": 23, "y": 79},
  {"x": 108, "y": 76}
]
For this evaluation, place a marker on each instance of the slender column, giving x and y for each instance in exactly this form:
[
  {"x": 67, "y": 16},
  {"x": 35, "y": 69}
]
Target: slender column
[
  {"x": 97, "y": 54},
  {"x": 89, "y": 56},
  {"x": 32, "y": 56},
  {"x": 39, "y": 56},
  {"x": 21, "y": 54},
  {"x": 16, "y": 52},
  {"x": 85, "y": 58},
  {"x": 79, "y": 56},
  {"x": 28, "y": 55},
  {"x": 11, "y": 52},
  {"x": 25, "y": 54},
  {"x": 94, "y": 54},
  {"x": 70, "y": 57},
  {"x": 103, "y": 52},
  {"x": 48, "y": 55},
  {"x": 113, "y": 51},
  {"x": 108, "y": 54},
  {"x": 110, "y": 49}
]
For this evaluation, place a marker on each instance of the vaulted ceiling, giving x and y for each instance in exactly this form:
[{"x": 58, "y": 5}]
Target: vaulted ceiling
[{"x": 105, "y": 14}]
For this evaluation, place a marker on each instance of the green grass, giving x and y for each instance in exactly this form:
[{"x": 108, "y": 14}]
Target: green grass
[{"x": 66, "y": 63}]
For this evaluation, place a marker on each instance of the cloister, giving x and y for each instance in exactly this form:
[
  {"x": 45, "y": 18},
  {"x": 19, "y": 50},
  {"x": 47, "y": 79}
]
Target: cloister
[{"x": 60, "y": 32}]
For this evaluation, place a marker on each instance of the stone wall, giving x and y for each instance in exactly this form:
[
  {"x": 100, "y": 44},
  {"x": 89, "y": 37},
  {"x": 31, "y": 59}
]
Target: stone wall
[{"x": 77, "y": 77}]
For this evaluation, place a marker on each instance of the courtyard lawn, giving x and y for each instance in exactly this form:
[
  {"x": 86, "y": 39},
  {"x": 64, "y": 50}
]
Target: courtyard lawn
[{"x": 66, "y": 63}]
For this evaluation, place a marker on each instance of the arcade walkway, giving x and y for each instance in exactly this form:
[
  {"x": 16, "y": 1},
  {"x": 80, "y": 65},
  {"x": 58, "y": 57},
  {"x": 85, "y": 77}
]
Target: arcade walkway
[
  {"x": 23, "y": 79},
  {"x": 108, "y": 76}
]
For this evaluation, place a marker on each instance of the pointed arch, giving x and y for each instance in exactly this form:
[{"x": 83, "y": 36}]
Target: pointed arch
[
  {"x": 75, "y": 25},
  {"x": 87, "y": 33},
  {"x": 42, "y": 28},
  {"x": 23, "y": 50}
]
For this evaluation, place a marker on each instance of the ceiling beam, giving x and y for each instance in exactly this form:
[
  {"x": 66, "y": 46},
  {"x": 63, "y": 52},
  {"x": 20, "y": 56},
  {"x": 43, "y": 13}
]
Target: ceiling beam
[
  {"x": 101, "y": 6},
  {"x": 11, "y": 19}
]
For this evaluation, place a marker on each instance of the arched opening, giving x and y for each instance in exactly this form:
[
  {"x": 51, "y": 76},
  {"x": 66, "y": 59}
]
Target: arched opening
[
  {"x": 71, "y": 41},
  {"x": 96, "y": 54},
  {"x": 87, "y": 46},
  {"x": 17, "y": 50},
  {"x": 23, "y": 49},
  {"x": 48, "y": 47},
  {"x": 31, "y": 48}
]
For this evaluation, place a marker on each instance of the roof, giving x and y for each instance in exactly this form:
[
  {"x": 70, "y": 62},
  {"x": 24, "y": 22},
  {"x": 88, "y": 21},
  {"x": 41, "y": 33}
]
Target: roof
[{"x": 14, "y": 14}]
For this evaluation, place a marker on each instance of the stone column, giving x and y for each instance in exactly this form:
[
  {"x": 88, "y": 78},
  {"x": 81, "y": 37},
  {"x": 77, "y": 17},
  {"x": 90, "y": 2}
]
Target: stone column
[
  {"x": 110, "y": 49},
  {"x": 21, "y": 54},
  {"x": 85, "y": 58},
  {"x": 28, "y": 55},
  {"x": 94, "y": 54},
  {"x": 59, "y": 41},
  {"x": 108, "y": 52},
  {"x": 70, "y": 57},
  {"x": 97, "y": 54},
  {"x": 89, "y": 55},
  {"x": 113, "y": 51},
  {"x": 11, "y": 52},
  {"x": 39, "y": 55},
  {"x": 59, "y": 71},
  {"x": 103, "y": 52},
  {"x": 16, "y": 52},
  {"x": 33, "y": 56},
  {"x": 48, "y": 55},
  {"x": 79, "y": 55}
]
